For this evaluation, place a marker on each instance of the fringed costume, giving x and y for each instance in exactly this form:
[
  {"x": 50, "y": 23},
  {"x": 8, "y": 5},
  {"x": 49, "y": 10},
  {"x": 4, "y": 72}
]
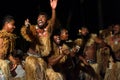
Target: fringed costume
[
  {"x": 91, "y": 71},
  {"x": 35, "y": 69},
  {"x": 103, "y": 56},
  {"x": 40, "y": 38},
  {"x": 60, "y": 66},
  {"x": 5, "y": 69},
  {"x": 113, "y": 71},
  {"x": 41, "y": 44},
  {"x": 7, "y": 43}
]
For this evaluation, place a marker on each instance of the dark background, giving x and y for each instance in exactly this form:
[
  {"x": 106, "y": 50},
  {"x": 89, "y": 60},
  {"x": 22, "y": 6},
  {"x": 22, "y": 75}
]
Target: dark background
[
  {"x": 70, "y": 13},
  {"x": 95, "y": 14}
]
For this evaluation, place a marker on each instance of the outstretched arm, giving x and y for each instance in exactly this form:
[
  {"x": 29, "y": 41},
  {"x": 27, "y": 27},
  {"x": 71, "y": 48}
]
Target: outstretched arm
[{"x": 53, "y": 4}]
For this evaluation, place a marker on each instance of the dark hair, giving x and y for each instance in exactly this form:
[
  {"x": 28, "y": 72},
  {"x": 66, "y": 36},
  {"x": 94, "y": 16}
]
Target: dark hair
[
  {"x": 7, "y": 18},
  {"x": 84, "y": 27},
  {"x": 56, "y": 32},
  {"x": 63, "y": 28},
  {"x": 43, "y": 13}
]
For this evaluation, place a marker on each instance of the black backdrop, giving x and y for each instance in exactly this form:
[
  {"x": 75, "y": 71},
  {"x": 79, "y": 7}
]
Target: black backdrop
[{"x": 95, "y": 14}]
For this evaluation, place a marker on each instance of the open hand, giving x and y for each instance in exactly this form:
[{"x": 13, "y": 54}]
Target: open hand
[
  {"x": 53, "y": 3},
  {"x": 27, "y": 23}
]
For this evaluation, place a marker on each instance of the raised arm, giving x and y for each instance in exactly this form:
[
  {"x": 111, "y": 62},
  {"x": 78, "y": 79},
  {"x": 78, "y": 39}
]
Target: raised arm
[
  {"x": 53, "y": 4},
  {"x": 28, "y": 31}
]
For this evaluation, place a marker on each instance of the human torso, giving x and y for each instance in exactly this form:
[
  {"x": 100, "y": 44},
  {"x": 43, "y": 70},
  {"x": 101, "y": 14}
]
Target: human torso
[
  {"x": 8, "y": 42},
  {"x": 44, "y": 38},
  {"x": 114, "y": 42}
]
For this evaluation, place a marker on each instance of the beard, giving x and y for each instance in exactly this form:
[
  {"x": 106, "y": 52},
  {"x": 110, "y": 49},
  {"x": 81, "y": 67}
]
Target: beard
[{"x": 41, "y": 26}]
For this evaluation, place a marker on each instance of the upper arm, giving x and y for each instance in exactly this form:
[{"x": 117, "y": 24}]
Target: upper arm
[
  {"x": 4, "y": 44},
  {"x": 51, "y": 21},
  {"x": 1, "y": 42}
]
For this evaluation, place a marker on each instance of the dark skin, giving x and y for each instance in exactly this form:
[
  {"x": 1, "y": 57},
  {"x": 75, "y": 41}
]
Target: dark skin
[
  {"x": 63, "y": 37},
  {"x": 42, "y": 19},
  {"x": 54, "y": 60},
  {"x": 40, "y": 33},
  {"x": 8, "y": 27}
]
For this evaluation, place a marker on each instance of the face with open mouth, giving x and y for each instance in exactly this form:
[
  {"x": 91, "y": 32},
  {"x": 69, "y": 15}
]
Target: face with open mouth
[
  {"x": 57, "y": 39},
  {"x": 41, "y": 21}
]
